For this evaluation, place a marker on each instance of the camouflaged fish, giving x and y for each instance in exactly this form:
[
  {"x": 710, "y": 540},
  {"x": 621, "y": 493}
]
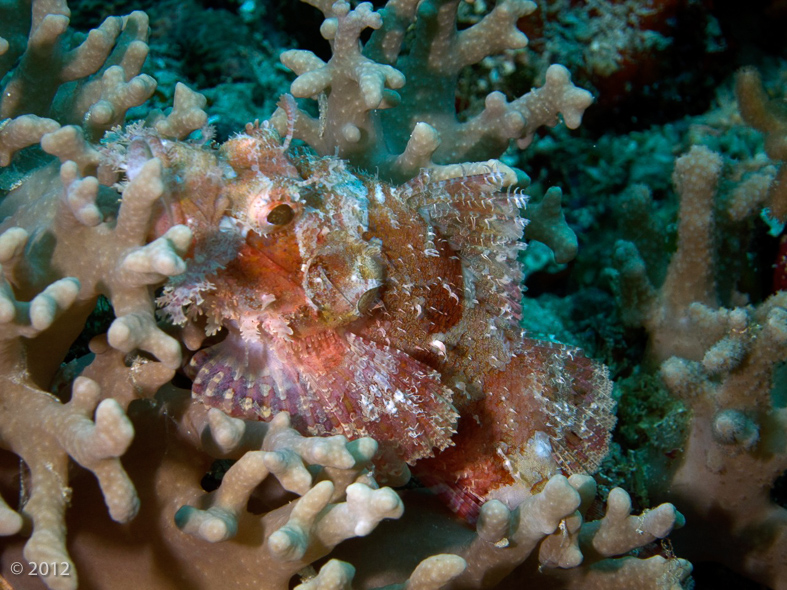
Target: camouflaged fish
[{"x": 367, "y": 309}]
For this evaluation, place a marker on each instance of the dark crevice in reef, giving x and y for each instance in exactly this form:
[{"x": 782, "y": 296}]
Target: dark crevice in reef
[{"x": 779, "y": 490}]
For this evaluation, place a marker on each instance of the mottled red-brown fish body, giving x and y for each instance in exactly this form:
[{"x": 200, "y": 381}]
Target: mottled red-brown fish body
[
  {"x": 367, "y": 309},
  {"x": 550, "y": 410}
]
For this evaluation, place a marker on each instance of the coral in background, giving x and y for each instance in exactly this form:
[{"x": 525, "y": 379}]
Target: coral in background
[
  {"x": 643, "y": 60},
  {"x": 722, "y": 364},
  {"x": 767, "y": 116},
  {"x": 602, "y": 37}
]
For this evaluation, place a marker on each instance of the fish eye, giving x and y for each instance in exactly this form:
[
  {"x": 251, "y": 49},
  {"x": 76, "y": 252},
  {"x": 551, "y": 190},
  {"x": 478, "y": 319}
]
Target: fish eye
[
  {"x": 280, "y": 215},
  {"x": 368, "y": 300}
]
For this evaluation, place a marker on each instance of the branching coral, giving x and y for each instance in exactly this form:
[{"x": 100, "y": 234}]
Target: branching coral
[
  {"x": 365, "y": 119},
  {"x": 765, "y": 115},
  {"x": 722, "y": 363},
  {"x": 62, "y": 431}
]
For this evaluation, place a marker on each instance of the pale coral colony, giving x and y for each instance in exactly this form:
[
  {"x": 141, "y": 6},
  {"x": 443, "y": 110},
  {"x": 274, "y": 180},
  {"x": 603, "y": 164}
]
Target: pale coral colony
[{"x": 310, "y": 311}]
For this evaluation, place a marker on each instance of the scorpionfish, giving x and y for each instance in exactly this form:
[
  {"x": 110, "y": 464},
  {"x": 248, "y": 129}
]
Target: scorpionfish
[{"x": 368, "y": 309}]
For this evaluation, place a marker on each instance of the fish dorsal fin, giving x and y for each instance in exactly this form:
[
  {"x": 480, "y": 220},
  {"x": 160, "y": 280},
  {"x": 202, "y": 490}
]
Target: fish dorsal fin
[{"x": 484, "y": 225}]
